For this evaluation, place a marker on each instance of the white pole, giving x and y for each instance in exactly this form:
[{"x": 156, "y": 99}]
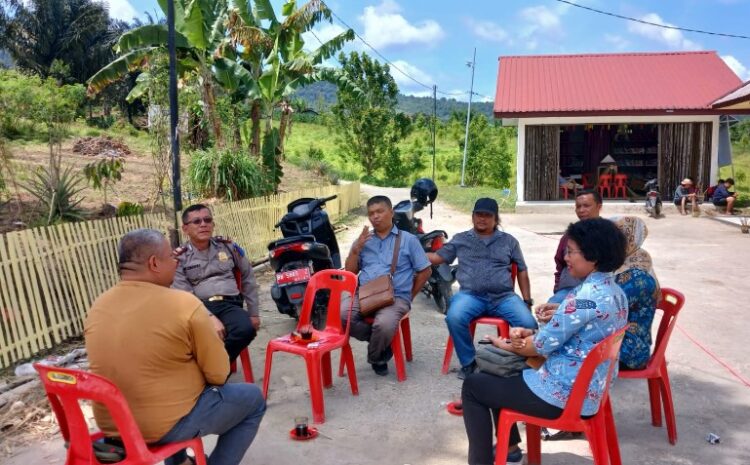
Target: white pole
[{"x": 468, "y": 117}]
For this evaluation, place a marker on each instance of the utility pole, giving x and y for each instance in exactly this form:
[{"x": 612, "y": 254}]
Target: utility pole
[
  {"x": 434, "y": 127},
  {"x": 173, "y": 111},
  {"x": 468, "y": 115}
]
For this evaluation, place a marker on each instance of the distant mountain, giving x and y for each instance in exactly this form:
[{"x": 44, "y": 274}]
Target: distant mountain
[{"x": 321, "y": 95}]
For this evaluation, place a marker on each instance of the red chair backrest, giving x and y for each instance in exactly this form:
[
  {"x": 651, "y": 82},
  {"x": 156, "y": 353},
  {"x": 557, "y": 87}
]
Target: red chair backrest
[
  {"x": 606, "y": 351},
  {"x": 605, "y": 179},
  {"x": 586, "y": 180},
  {"x": 671, "y": 303},
  {"x": 65, "y": 388},
  {"x": 513, "y": 274},
  {"x": 338, "y": 281},
  {"x": 621, "y": 179}
]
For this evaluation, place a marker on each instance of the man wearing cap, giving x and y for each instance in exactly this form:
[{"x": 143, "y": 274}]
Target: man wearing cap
[
  {"x": 685, "y": 193},
  {"x": 485, "y": 256}
]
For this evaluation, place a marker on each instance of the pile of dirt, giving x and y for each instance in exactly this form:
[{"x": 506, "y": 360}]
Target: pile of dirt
[
  {"x": 26, "y": 420},
  {"x": 101, "y": 146}
]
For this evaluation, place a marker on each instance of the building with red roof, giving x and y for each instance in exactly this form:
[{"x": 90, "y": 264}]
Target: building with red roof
[{"x": 632, "y": 116}]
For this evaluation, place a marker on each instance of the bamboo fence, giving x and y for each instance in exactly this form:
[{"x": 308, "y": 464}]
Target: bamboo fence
[{"x": 49, "y": 276}]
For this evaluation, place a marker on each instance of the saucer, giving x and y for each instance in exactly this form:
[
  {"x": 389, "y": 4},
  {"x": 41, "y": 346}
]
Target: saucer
[{"x": 312, "y": 433}]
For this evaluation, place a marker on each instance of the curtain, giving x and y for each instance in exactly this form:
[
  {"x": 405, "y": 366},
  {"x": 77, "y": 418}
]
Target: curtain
[
  {"x": 541, "y": 163},
  {"x": 684, "y": 150}
]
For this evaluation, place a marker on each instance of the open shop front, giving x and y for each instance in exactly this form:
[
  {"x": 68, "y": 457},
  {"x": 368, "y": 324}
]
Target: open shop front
[{"x": 618, "y": 158}]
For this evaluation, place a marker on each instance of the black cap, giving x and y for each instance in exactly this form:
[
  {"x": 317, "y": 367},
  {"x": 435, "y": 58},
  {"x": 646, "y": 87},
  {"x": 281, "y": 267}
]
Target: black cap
[{"x": 485, "y": 205}]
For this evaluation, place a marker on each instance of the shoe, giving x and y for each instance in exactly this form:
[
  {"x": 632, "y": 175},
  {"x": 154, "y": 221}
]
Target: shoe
[
  {"x": 387, "y": 355},
  {"x": 380, "y": 369},
  {"x": 467, "y": 370},
  {"x": 513, "y": 457}
]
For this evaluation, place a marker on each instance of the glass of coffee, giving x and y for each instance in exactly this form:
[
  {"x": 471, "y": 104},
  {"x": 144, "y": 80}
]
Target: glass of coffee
[{"x": 300, "y": 427}]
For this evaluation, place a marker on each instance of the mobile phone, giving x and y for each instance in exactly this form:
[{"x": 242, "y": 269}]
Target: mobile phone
[{"x": 484, "y": 341}]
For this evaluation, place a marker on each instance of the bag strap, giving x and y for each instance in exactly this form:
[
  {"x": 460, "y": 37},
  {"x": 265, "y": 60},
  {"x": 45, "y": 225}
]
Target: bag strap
[{"x": 394, "y": 261}]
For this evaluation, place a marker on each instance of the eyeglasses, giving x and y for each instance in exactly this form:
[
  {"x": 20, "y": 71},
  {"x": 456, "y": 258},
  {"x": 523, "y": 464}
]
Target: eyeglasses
[
  {"x": 198, "y": 221},
  {"x": 569, "y": 251}
]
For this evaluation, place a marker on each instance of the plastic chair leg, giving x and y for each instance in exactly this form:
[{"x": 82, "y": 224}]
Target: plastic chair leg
[
  {"x": 612, "y": 442},
  {"x": 533, "y": 444},
  {"x": 503, "y": 436},
  {"x": 666, "y": 393},
  {"x": 247, "y": 367},
  {"x": 314, "y": 377},
  {"x": 347, "y": 357},
  {"x": 325, "y": 366},
  {"x": 267, "y": 372},
  {"x": 564, "y": 192},
  {"x": 398, "y": 356},
  {"x": 448, "y": 355},
  {"x": 594, "y": 431},
  {"x": 655, "y": 400},
  {"x": 406, "y": 331}
]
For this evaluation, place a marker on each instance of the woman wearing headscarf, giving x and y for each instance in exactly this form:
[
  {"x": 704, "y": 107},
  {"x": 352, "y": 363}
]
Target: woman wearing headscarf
[{"x": 638, "y": 281}]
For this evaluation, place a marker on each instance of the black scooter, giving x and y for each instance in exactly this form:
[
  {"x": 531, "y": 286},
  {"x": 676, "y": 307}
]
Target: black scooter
[
  {"x": 439, "y": 285},
  {"x": 653, "y": 198},
  {"x": 309, "y": 245}
]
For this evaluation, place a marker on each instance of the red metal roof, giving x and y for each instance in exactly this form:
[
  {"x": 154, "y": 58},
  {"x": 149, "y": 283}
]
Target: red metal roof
[{"x": 611, "y": 84}]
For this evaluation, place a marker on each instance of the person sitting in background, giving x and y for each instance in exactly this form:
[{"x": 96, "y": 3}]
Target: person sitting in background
[
  {"x": 685, "y": 193},
  {"x": 722, "y": 197},
  {"x": 159, "y": 347},
  {"x": 710, "y": 191},
  {"x": 568, "y": 183},
  {"x": 594, "y": 310},
  {"x": 637, "y": 279}
]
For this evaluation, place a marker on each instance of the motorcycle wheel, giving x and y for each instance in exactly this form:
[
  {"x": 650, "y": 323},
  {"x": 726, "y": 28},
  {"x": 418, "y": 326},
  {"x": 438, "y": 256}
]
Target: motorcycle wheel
[
  {"x": 442, "y": 292},
  {"x": 320, "y": 309}
]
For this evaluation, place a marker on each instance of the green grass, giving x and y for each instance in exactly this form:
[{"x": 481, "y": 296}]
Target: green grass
[{"x": 463, "y": 198}]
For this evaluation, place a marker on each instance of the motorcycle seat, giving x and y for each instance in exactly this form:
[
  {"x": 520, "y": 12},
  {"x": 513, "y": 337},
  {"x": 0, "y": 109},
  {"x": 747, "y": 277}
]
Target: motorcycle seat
[{"x": 290, "y": 240}]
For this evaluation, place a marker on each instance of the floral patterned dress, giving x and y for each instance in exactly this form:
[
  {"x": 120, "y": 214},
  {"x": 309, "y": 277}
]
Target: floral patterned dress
[
  {"x": 593, "y": 310},
  {"x": 640, "y": 289}
]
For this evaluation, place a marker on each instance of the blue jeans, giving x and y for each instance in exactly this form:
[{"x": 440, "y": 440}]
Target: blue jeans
[
  {"x": 232, "y": 411},
  {"x": 560, "y": 295},
  {"x": 466, "y": 307}
]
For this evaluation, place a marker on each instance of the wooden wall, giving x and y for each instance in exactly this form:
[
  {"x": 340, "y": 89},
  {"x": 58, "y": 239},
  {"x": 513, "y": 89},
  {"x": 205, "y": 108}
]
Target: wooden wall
[{"x": 541, "y": 162}]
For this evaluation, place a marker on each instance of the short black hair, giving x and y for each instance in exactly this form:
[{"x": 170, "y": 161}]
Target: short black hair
[
  {"x": 138, "y": 245},
  {"x": 730, "y": 181},
  {"x": 690, "y": 178},
  {"x": 595, "y": 193},
  {"x": 600, "y": 241},
  {"x": 191, "y": 209},
  {"x": 379, "y": 199}
]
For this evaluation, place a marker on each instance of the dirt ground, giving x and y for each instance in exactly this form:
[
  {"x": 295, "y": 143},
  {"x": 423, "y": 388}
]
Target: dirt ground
[
  {"x": 137, "y": 184},
  {"x": 391, "y": 423}
]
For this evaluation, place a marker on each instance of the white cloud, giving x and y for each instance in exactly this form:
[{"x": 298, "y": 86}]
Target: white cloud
[
  {"x": 739, "y": 69},
  {"x": 671, "y": 37},
  {"x": 384, "y": 27},
  {"x": 121, "y": 9},
  {"x": 487, "y": 30},
  {"x": 617, "y": 41},
  {"x": 324, "y": 33},
  {"x": 406, "y": 85},
  {"x": 542, "y": 20}
]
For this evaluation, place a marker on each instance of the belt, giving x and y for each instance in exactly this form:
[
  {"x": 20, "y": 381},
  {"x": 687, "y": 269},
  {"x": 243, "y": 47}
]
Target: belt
[{"x": 219, "y": 298}]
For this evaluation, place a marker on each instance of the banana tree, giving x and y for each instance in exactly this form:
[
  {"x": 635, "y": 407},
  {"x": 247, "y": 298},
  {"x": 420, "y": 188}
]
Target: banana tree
[
  {"x": 200, "y": 30},
  {"x": 271, "y": 61}
]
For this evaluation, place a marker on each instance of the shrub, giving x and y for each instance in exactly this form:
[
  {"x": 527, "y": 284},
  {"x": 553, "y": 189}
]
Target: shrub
[
  {"x": 129, "y": 209},
  {"x": 227, "y": 173},
  {"x": 101, "y": 122},
  {"x": 57, "y": 193}
]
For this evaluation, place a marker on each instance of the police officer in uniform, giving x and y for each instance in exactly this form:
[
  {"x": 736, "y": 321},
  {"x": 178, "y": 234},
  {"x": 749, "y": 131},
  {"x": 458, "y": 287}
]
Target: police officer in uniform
[{"x": 206, "y": 268}]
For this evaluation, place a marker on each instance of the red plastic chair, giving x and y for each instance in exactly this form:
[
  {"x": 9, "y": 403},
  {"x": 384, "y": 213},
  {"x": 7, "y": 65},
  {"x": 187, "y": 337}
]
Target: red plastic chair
[
  {"x": 586, "y": 180},
  {"x": 565, "y": 190},
  {"x": 66, "y": 387},
  {"x": 318, "y": 359},
  {"x": 621, "y": 183},
  {"x": 247, "y": 367},
  {"x": 599, "y": 429},
  {"x": 402, "y": 331},
  {"x": 503, "y": 329},
  {"x": 656, "y": 369},
  {"x": 605, "y": 183}
]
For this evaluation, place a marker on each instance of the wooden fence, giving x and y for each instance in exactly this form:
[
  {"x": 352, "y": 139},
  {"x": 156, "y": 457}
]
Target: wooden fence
[{"x": 49, "y": 276}]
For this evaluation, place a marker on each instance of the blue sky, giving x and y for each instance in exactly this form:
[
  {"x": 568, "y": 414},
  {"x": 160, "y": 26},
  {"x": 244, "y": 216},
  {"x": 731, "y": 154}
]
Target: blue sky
[{"x": 432, "y": 40}]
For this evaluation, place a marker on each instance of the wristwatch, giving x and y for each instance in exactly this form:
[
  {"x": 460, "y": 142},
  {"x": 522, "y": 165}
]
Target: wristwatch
[{"x": 528, "y": 302}]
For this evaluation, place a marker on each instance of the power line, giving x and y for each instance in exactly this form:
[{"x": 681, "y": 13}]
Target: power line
[{"x": 665, "y": 26}]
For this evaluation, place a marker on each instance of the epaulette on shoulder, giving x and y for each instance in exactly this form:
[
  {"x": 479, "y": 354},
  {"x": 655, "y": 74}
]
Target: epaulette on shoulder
[{"x": 222, "y": 239}]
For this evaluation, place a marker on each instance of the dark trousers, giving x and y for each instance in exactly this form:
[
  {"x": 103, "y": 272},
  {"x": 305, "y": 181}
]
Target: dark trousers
[
  {"x": 239, "y": 330},
  {"x": 483, "y": 396}
]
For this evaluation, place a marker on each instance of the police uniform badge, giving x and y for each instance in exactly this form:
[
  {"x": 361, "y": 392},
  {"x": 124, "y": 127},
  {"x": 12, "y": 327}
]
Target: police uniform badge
[{"x": 223, "y": 256}]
